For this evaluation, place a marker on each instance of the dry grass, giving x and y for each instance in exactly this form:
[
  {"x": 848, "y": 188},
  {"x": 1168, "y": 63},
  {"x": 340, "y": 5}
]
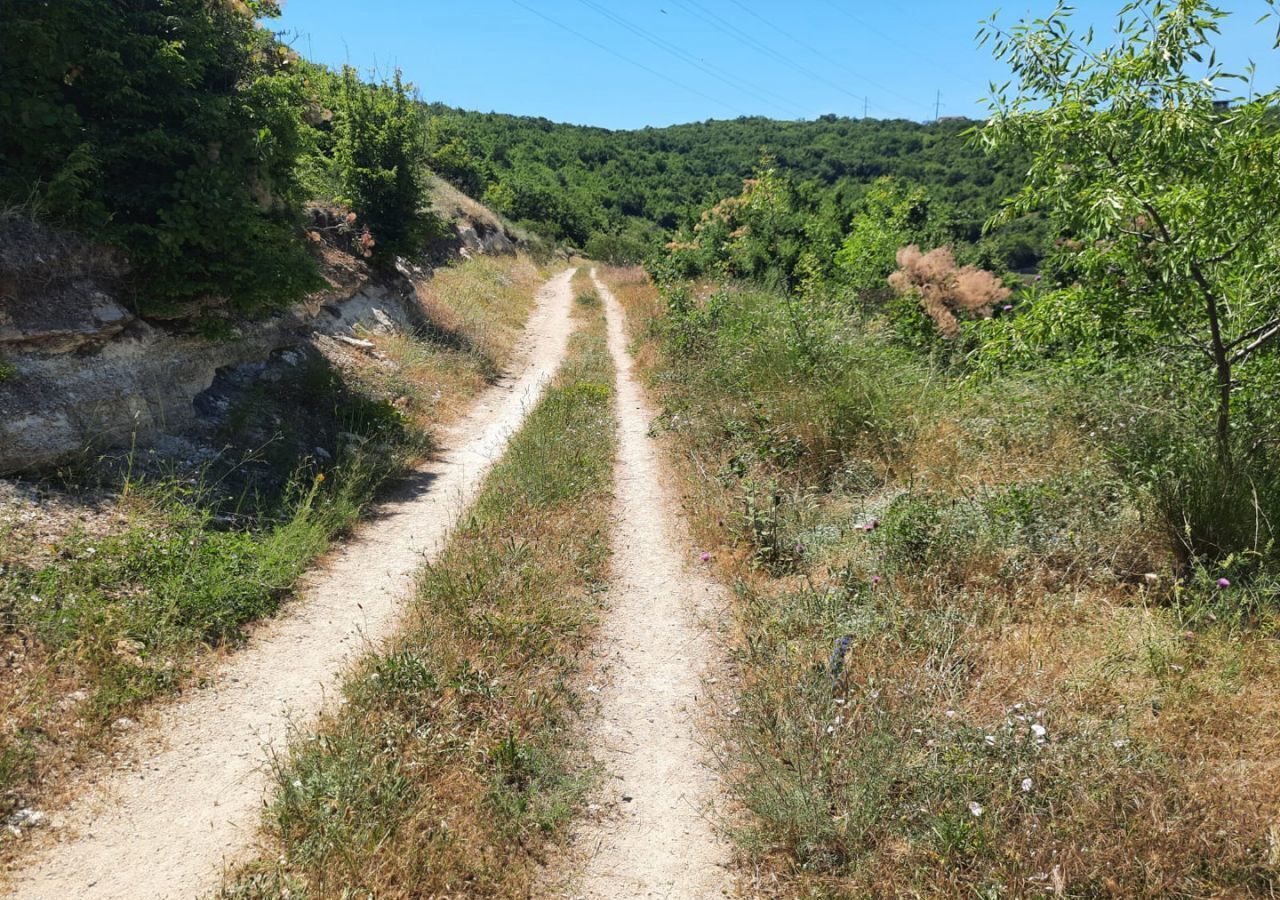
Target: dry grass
[
  {"x": 118, "y": 595},
  {"x": 449, "y": 768},
  {"x": 1000, "y": 593}
]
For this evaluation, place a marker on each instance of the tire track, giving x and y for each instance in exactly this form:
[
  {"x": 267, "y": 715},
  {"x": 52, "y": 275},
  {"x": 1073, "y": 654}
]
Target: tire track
[
  {"x": 658, "y": 839},
  {"x": 187, "y": 800}
]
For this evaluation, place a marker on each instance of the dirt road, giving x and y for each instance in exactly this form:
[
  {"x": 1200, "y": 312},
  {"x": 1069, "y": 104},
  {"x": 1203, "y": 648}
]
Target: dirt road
[
  {"x": 657, "y": 837},
  {"x": 188, "y": 799}
]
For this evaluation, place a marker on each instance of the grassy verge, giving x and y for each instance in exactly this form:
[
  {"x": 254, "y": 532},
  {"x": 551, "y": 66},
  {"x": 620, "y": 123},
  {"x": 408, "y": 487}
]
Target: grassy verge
[
  {"x": 109, "y": 602},
  {"x": 447, "y": 767},
  {"x": 966, "y": 669}
]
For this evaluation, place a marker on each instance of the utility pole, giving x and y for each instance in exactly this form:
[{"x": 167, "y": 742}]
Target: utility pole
[
  {"x": 865, "y": 103},
  {"x": 937, "y": 106}
]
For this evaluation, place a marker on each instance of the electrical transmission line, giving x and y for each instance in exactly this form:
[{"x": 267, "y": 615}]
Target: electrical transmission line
[
  {"x": 625, "y": 58},
  {"x": 753, "y": 90},
  {"x": 742, "y": 37},
  {"x": 818, "y": 53}
]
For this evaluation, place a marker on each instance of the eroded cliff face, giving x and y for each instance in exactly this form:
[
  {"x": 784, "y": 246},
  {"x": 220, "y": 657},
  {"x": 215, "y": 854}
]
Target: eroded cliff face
[{"x": 80, "y": 373}]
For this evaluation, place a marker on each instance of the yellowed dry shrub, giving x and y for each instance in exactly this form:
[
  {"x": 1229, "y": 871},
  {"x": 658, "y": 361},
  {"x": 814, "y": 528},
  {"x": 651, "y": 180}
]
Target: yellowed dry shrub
[{"x": 944, "y": 288}]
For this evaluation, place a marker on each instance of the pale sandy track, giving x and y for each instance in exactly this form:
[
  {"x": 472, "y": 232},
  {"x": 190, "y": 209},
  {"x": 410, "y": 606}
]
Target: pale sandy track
[
  {"x": 190, "y": 801},
  {"x": 657, "y": 837}
]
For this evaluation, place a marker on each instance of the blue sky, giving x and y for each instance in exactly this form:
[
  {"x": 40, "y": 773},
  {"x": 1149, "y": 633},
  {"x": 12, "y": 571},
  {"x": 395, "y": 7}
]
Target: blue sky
[{"x": 659, "y": 62}]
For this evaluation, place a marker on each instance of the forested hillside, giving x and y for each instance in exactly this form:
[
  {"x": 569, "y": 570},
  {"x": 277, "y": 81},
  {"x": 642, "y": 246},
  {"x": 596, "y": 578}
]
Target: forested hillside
[{"x": 620, "y": 192}]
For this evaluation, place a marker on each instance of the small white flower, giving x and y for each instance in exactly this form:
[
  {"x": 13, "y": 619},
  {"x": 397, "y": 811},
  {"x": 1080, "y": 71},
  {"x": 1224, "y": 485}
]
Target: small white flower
[
  {"x": 1026, "y": 785},
  {"x": 1039, "y": 731},
  {"x": 1120, "y": 744},
  {"x": 976, "y": 808},
  {"x": 297, "y": 783},
  {"x": 951, "y": 714}
]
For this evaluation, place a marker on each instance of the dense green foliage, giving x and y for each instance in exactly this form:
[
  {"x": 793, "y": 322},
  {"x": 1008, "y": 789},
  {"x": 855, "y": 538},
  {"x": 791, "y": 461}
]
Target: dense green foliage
[
  {"x": 583, "y": 184},
  {"x": 1157, "y": 300},
  {"x": 379, "y": 154},
  {"x": 1001, "y": 577},
  {"x": 1169, "y": 277},
  {"x": 169, "y": 128},
  {"x": 185, "y": 135}
]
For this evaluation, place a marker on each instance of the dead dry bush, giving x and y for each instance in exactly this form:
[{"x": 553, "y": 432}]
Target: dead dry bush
[{"x": 946, "y": 290}]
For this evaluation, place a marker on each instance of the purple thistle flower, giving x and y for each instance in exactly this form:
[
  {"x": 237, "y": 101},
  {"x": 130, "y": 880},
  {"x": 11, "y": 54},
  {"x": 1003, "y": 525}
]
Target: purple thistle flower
[
  {"x": 1224, "y": 583},
  {"x": 875, "y": 579},
  {"x": 705, "y": 556}
]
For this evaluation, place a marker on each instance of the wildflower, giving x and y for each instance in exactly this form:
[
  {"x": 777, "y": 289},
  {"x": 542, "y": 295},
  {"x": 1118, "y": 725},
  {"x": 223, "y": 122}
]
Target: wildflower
[
  {"x": 297, "y": 784},
  {"x": 976, "y": 808},
  {"x": 875, "y": 579},
  {"x": 1224, "y": 582},
  {"x": 320, "y": 477},
  {"x": 1026, "y": 785},
  {"x": 799, "y": 549},
  {"x": 705, "y": 556},
  {"x": 1008, "y": 307},
  {"x": 1151, "y": 578},
  {"x": 836, "y": 664},
  {"x": 1039, "y": 731}
]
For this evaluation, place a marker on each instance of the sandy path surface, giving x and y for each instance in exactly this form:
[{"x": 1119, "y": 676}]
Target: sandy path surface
[
  {"x": 657, "y": 838},
  {"x": 165, "y": 824}
]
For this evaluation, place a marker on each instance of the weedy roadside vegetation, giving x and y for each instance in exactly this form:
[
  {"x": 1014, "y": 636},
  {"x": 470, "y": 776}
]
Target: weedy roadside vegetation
[
  {"x": 1005, "y": 548},
  {"x": 109, "y": 602},
  {"x": 449, "y": 765},
  {"x": 973, "y": 657}
]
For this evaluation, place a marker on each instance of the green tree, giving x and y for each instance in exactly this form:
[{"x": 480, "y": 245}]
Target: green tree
[
  {"x": 451, "y": 157},
  {"x": 890, "y": 216},
  {"x": 169, "y": 128},
  {"x": 1167, "y": 194},
  {"x": 380, "y": 160}
]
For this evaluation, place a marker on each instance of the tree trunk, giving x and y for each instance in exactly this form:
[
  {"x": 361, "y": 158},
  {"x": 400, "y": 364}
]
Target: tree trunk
[{"x": 1222, "y": 365}]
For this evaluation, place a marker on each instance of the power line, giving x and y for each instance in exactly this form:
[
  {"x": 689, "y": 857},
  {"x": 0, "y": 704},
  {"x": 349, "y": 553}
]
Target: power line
[
  {"x": 818, "y": 53},
  {"x": 626, "y": 59},
  {"x": 743, "y": 37},
  {"x": 903, "y": 45},
  {"x": 732, "y": 81}
]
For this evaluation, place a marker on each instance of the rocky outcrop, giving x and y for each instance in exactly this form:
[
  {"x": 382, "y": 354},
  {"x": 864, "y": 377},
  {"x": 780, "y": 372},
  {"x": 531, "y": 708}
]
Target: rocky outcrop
[
  {"x": 477, "y": 230},
  {"x": 110, "y": 381},
  {"x": 79, "y": 372}
]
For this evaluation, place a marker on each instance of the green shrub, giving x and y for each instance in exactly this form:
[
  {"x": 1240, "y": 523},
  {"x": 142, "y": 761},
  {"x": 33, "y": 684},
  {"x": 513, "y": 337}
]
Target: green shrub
[
  {"x": 169, "y": 129},
  {"x": 380, "y": 155}
]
